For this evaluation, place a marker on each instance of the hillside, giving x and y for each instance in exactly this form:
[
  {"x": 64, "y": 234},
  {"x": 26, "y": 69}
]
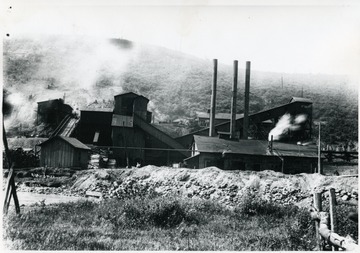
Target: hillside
[{"x": 83, "y": 70}]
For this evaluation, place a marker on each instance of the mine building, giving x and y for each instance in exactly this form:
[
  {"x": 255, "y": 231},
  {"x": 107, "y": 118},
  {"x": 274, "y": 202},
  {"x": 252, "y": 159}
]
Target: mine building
[
  {"x": 53, "y": 111},
  {"x": 128, "y": 131},
  {"x": 252, "y": 155},
  {"x": 64, "y": 152},
  {"x": 228, "y": 141},
  {"x": 95, "y": 126},
  {"x": 262, "y": 122},
  {"x": 242, "y": 142}
]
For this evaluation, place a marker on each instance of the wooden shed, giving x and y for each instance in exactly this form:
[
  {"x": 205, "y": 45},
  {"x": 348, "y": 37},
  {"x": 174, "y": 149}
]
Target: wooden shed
[{"x": 62, "y": 152}]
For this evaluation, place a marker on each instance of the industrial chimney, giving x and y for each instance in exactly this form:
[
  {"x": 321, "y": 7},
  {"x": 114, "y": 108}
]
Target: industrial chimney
[
  {"x": 233, "y": 102},
  {"x": 247, "y": 92},
  {"x": 213, "y": 101}
]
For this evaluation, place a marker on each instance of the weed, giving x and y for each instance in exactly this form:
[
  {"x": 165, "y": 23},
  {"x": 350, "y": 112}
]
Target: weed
[{"x": 162, "y": 223}]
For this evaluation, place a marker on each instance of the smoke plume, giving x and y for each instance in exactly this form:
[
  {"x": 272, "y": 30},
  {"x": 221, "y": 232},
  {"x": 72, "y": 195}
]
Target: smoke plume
[
  {"x": 79, "y": 69},
  {"x": 286, "y": 123}
]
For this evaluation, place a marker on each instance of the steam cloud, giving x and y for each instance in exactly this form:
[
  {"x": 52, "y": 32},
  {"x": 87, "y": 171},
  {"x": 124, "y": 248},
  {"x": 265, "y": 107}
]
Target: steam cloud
[
  {"x": 285, "y": 123},
  {"x": 81, "y": 69}
]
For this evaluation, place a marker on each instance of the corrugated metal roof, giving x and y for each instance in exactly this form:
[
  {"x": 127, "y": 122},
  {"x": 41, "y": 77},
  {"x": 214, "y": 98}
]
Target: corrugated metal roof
[
  {"x": 72, "y": 141},
  {"x": 252, "y": 147},
  {"x": 299, "y": 99}
]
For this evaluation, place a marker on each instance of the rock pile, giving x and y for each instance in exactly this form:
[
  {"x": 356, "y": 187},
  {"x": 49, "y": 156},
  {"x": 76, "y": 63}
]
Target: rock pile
[{"x": 225, "y": 187}]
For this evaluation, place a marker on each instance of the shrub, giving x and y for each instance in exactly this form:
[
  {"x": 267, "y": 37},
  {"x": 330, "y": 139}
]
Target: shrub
[
  {"x": 164, "y": 212},
  {"x": 168, "y": 215},
  {"x": 301, "y": 231},
  {"x": 253, "y": 204},
  {"x": 170, "y": 212}
]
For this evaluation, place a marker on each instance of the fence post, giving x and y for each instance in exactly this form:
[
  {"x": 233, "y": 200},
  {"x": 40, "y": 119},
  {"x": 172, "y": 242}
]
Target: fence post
[
  {"x": 332, "y": 204},
  {"x": 318, "y": 206}
]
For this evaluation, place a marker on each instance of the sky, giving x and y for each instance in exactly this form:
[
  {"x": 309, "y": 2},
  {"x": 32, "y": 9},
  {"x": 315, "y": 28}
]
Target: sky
[{"x": 277, "y": 36}]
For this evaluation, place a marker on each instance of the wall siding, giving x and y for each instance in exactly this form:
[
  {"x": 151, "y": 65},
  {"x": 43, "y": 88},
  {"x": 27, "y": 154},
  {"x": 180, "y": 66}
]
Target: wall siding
[
  {"x": 58, "y": 153},
  {"x": 252, "y": 162}
]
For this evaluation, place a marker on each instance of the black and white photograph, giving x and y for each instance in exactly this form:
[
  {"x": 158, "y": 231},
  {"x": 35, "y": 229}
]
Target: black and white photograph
[{"x": 201, "y": 125}]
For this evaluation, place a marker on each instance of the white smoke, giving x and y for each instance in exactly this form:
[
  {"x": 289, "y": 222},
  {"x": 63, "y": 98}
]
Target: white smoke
[
  {"x": 286, "y": 123},
  {"x": 300, "y": 118},
  {"x": 81, "y": 68}
]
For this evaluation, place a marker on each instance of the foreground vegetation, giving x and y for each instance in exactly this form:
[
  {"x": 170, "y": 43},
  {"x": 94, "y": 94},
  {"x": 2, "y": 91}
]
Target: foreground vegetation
[{"x": 162, "y": 223}]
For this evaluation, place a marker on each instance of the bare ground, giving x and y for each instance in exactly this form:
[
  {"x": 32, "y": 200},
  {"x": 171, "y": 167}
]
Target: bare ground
[{"x": 226, "y": 187}]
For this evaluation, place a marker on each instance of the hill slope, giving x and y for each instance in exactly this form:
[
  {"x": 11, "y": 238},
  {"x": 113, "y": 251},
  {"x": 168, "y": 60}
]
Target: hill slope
[{"x": 85, "y": 70}]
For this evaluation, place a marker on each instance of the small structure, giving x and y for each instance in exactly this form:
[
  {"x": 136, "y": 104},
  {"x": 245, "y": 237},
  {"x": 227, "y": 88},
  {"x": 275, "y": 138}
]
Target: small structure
[
  {"x": 61, "y": 151},
  {"x": 53, "y": 111},
  {"x": 251, "y": 155}
]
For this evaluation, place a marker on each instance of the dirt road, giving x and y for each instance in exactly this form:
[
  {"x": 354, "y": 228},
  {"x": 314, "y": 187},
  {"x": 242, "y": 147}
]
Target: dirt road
[{"x": 30, "y": 198}]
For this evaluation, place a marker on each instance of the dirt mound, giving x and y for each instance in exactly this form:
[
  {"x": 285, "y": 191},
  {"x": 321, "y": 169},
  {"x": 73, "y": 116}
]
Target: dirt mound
[{"x": 227, "y": 187}]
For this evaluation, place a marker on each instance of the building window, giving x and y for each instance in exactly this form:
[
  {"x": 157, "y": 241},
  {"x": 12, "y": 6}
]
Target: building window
[{"x": 96, "y": 137}]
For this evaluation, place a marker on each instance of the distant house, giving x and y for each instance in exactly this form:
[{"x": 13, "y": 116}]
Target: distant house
[
  {"x": 64, "y": 152},
  {"x": 252, "y": 155}
]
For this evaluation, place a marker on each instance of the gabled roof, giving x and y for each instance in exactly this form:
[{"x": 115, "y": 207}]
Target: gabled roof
[
  {"x": 299, "y": 99},
  {"x": 207, "y": 144},
  {"x": 131, "y": 94},
  {"x": 127, "y": 94},
  {"x": 51, "y": 100},
  {"x": 72, "y": 141}
]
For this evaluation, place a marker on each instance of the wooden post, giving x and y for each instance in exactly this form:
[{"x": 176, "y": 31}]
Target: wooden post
[
  {"x": 346, "y": 243},
  {"x": 332, "y": 204},
  {"x": 319, "y": 151},
  {"x": 10, "y": 187},
  {"x": 318, "y": 207}
]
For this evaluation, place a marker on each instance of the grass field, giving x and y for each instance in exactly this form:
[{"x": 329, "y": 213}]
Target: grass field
[
  {"x": 342, "y": 168},
  {"x": 163, "y": 223}
]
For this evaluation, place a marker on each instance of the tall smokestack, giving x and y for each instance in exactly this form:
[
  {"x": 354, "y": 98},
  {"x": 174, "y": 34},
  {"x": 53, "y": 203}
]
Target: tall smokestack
[
  {"x": 213, "y": 101},
  {"x": 247, "y": 92},
  {"x": 233, "y": 102}
]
